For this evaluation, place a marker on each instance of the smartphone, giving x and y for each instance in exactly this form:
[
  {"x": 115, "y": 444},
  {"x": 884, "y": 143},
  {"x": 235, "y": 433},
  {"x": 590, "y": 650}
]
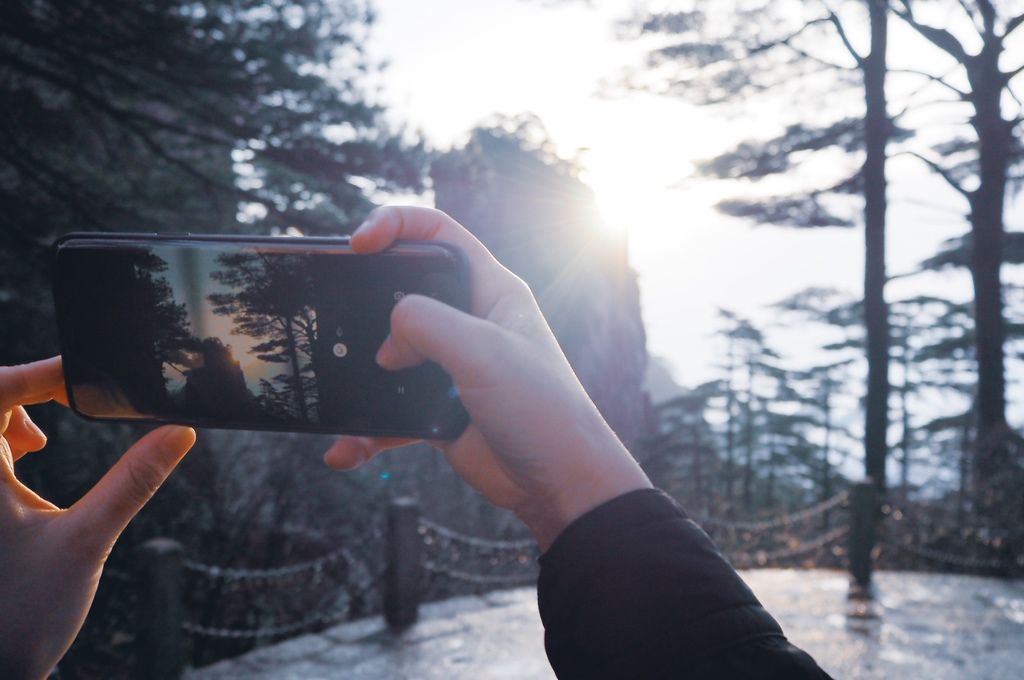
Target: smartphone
[{"x": 262, "y": 333}]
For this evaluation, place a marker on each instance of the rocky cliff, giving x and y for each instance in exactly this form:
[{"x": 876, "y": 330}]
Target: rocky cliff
[{"x": 532, "y": 210}]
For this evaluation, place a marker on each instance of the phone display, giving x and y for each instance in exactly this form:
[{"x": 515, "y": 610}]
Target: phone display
[{"x": 275, "y": 333}]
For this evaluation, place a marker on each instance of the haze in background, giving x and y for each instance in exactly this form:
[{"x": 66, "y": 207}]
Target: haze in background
[{"x": 637, "y": 150}]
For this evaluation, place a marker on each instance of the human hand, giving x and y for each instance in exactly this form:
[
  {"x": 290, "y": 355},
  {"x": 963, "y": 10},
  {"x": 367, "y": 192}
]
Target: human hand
[
  {"x": 536, "y": 443},
  {"x": 51, "y": 559}
]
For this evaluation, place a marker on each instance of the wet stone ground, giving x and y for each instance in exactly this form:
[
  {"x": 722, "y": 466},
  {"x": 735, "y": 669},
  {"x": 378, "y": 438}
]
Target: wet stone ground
[{"x": 930, "y": 626}]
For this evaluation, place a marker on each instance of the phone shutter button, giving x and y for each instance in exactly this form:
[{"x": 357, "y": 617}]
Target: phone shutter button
[{"x": 340, "y": 350}]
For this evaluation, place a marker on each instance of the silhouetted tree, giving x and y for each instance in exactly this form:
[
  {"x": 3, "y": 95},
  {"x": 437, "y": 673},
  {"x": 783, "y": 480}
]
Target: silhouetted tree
[
  {"x": 270, "y": 301},
  {"x": 133, "y": 344},
  {"x": 758, "y": 51},
  {"x": 180, "y": 116},
  {"x": 985, "y": 162}
]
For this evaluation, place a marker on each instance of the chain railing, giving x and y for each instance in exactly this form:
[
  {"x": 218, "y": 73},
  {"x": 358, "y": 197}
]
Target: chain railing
[
  {"x": 784, "y": 539},
  {"x": 423, "y": 559},
  {"x": 242, "y": 574},
  {"x": 323, "y": 617},
  {"x": 477, "y": 562},
  {"x": 442, "y": 531},
  {"x": 764, "y": 558},
  {"x": 811, "y": 512},
  {"x": 931, "y": 540}
]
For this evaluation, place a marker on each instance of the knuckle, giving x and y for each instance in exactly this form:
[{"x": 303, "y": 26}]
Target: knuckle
[
  {"x": 13, "y": 382},
  {"x": 404, "y": 315},
  {"x": 521, "y": 290},
  {"x": 493, "y": 348},
  {"x": 144, "y": 478}
]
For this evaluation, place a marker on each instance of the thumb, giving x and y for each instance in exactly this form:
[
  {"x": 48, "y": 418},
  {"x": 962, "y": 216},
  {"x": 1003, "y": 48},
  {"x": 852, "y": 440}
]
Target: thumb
[
  {"x": 106, "y": 509},
  {"x": 425, "y": 329}
]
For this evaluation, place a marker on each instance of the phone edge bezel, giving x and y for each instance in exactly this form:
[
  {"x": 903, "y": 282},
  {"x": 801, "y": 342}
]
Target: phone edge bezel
[{"x": 462, "y": 268}]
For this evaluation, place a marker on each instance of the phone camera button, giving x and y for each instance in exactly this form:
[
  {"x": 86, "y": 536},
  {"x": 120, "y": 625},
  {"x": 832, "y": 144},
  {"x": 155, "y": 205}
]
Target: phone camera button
[{"x": 340, "y": 350}]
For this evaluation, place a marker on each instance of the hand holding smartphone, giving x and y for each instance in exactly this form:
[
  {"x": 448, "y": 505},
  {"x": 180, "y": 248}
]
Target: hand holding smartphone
[{"x": 251, "y": 332}]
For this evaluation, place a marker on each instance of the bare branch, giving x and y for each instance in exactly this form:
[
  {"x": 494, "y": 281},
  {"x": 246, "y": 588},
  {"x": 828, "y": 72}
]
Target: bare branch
[
  {"x": 988, "y": 16},
  {"x": 939, "y": 37},
  {"x": 970, "y": 14},
  {"x": 818, "y": 60},
  {"x": 833, "y": 18},
  {"x": 764, "y": 47},
  {"x": 941, "y": 80},
  {"x": 1013, "y": 24},
  {"x": 917, "y": 107},
  {"x": 942, "y": 172},
  {"x": 787, "y": 42}
]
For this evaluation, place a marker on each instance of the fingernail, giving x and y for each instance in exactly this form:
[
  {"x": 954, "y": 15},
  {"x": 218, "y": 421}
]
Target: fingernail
[
  {"x": 179, "y": 437},
  {"x": 361, "y": 228},
  {"x": 383, "y": 352}
]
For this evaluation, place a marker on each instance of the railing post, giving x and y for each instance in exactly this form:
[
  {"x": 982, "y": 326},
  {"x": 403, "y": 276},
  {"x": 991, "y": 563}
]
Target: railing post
[
  {"x": 863, "y": 522},
  {"x": 402, "y": 577},
  {"x": 159, "y": 613}
]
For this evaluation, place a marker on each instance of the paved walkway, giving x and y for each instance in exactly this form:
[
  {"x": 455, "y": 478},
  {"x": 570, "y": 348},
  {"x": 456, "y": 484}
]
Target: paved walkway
[{"x": 922, "y": 626}]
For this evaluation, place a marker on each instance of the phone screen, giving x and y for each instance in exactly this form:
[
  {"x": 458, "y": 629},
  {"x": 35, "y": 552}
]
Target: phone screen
[{"x": 261, "y": 334}]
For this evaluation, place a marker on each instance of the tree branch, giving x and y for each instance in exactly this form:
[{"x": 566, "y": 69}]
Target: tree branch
[
  {"x": 939, "y": 37},
  {"x": 941, "y": 80},
  {"x": 818, "y": 60},
  {"x": 988, "y": 17},
  {"x": 1013, "y": 24},
  {"x": 833, "y": 19},
  {"x": 970, "y": 14},
  {"x": 788, "y": 40},
  {"x": 944, "y": 173}
]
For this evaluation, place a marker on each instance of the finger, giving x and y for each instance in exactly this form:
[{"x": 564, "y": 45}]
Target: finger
[
  {"x": 22, "y": 434},
  {"x": 15, "y": 497},
  {"x": 473, "y": 459},
  {"x": 423, "y": 328},
  {"x": 350, "y": 452},
  {"x": 488, "y": 278},
  {"x": 108, "y": 507},
  {"x": 18, "y": 383}
]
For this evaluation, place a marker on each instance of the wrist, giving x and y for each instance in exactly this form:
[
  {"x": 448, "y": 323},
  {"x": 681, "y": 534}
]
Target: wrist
[{"x": 586, "y": 479}]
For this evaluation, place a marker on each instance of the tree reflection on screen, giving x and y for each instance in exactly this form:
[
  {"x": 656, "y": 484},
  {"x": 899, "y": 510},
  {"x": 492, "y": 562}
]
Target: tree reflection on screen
[{"x": 268, "y": 301}]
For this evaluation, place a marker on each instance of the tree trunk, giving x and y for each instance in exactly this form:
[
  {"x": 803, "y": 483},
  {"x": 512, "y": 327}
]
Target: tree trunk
[
  {"x": 748, "y": 428},
  {"x": 905, "y": 421},
  {"x": 730, "y": 444},
  {"x": 876, "y": 317},
  {"x": 826, "y": 449},
  {"x": 995, "y": 141},
  {"x": 965, "y": 494},
  {"x": 698, "y": 476},
  {"x": 293, "y": 358}
]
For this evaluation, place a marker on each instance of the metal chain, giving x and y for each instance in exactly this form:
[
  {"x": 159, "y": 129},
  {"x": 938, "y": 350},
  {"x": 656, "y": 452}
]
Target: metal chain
[
  {"x": 487, "y": 544},
  {"x": 761, "y": 558},
  {"x": 266, "y": 631},
  {"x": 781, "y": 521},
  {"x": 480, "y": 579},
  {"x": 961, "y": 561},
  {"x": 241, "y": 574}
]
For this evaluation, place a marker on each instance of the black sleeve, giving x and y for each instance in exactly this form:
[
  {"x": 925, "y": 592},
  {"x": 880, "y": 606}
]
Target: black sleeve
[{"x": 635, "y": 589}]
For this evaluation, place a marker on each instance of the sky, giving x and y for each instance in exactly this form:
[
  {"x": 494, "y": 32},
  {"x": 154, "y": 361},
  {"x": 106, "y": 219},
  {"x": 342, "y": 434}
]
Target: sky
[{"x": 453, "y": 63}]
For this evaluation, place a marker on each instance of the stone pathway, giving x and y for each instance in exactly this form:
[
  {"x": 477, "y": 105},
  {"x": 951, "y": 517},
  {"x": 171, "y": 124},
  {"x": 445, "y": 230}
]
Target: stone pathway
[{"x": 930, "y": 626}]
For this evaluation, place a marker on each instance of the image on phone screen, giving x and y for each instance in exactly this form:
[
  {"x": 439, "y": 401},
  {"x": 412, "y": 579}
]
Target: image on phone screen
[{"x": 265, "y": 336}]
